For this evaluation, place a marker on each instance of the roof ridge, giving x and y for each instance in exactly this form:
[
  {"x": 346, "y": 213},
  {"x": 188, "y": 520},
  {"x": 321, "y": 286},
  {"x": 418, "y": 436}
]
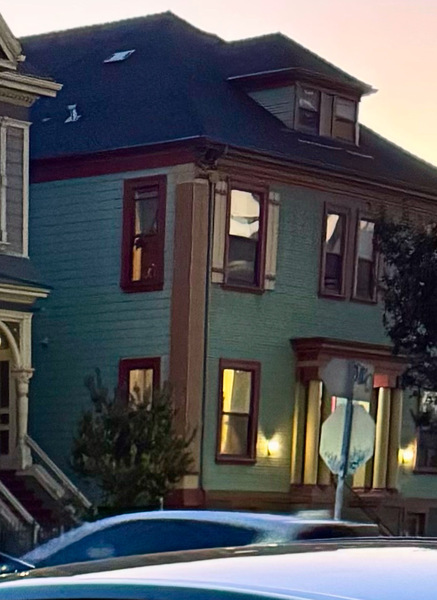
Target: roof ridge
[
  {"x": 151, "y": 17},
  {"x": 419, "y": 159},
  {"x": 305, "y": 49}
]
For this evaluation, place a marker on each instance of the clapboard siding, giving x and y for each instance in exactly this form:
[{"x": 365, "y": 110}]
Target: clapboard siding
[
  {"x": 259, "y": 327},
  {"x": 278, "y": 101},
  {"x": 87, "y": 321}
]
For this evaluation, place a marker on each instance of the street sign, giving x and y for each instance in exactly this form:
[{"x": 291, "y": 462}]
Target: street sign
[
  {"x": 362, "y": 439},
  {"x": 348, "y": 378}
]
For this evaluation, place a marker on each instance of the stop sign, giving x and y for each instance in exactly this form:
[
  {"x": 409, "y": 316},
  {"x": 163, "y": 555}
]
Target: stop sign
[{"x": 362, "y": 439}]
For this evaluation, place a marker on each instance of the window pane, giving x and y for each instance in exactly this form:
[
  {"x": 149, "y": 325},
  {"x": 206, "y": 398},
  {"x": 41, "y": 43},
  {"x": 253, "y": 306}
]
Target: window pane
[
  {"x": 365, "y": 239},
  {"x": 237, "y": 389},
  {"x": 309, "y": 99},
  {"x": 4, "y": 442},
  {"x": 365, "y": 282},
  {"x": 345, "y": 109},
  {"x": 245, "y": 212},
  {"x": 334, "y": 233},
  {"x": 309, "y": 121},
  {"x": 344, "y": 130},
  {"x": 242, "y": 261},
  {"x": 146, "y": 211},
  {"x": 140, "y": 385},
  {"x": 234, "y": 435}
]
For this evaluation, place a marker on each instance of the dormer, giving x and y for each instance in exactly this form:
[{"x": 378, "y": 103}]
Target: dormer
[{"x": 308, "y": 101}]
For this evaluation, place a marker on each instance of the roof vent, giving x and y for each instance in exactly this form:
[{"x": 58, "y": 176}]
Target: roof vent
[
  {"x": 74, "y": 115},
  {"x": 119, "y": 56}
]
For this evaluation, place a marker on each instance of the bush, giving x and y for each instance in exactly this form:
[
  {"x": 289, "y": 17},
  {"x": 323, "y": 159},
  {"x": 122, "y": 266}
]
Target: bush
[{"x": 130, "y": 449}]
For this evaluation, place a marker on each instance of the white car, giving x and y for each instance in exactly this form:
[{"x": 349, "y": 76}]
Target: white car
[{"x": 384, "y": 569}]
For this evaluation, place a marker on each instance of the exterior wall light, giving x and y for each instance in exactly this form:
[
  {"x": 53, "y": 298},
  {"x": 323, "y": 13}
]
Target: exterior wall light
[
  {"x": 272, "y": 447},
  {"x": 406, "y": 455}
]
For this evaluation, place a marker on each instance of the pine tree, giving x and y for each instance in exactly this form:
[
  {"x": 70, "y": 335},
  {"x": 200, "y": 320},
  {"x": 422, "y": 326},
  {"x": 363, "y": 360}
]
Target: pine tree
[{"x": 131, "y": 450}]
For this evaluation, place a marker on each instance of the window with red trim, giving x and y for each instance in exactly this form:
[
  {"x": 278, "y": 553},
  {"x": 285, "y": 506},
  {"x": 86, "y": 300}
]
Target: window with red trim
[
  {"x": 143, "y": 243},
  {"x": 349, "y": 266},
  {"x": 365, "y": 261},
  {"x": 334, "y": 250},
  {"x": 138, "y": 377},
  {"x": 245, "y": 251},
  {"x": 239, "y": 384}
]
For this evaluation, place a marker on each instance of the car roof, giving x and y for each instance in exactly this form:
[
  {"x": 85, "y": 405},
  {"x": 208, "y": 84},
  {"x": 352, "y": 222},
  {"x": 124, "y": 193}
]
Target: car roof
[
  {"x": 260, "y": 521},
  {"x": 356, "y": 570}
]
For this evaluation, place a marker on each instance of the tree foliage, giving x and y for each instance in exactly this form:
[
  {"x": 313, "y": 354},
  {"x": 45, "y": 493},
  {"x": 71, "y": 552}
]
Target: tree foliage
[
  {"x": 409, "y": 287},
  {"x": 131, "y": 450}
]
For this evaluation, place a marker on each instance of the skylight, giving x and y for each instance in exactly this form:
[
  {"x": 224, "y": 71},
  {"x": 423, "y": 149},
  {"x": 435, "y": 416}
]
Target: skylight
[{"x": 119, "y": 56}]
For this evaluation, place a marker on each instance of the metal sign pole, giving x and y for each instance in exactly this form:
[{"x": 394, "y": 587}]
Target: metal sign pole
[{"x": 339, "y": 493}]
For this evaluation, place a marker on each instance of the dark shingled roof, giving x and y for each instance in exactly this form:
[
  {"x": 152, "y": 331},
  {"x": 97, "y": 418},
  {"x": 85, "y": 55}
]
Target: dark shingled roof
[
  {"x": 16, "y": 270},
  {"x": 174, "y": 86}
]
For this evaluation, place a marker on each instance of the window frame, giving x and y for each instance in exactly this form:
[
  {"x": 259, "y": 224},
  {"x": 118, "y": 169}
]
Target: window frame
[
  {"x": 374, "y": 298},
  {"x": 334, "y": 119},
  {"x": 344, "y": 212},
  {"x": 299, "y": 94},
  {"x": 126, "y": 365},
  {"x": 263, "y": 192},
  {"x": 255, "y": 368},
  {"x": 128, "y": 233}
]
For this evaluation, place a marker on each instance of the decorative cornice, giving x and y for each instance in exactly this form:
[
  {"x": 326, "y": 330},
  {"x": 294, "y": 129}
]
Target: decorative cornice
[
  {"x": 314, "y": 353},
  {"x": 21, "y": 294},
  {"x": 33, "y": 85}
]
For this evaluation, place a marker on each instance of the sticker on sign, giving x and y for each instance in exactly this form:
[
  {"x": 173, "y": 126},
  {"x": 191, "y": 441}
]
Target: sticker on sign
[{"x": 362, "y": 440}]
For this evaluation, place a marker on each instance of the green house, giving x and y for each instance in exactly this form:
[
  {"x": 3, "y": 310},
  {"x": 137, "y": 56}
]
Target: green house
[{"x": 203, "y": 212}]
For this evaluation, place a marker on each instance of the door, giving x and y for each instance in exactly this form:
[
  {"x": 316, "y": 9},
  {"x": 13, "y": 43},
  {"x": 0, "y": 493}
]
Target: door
[{"x": 8, "y": 415}]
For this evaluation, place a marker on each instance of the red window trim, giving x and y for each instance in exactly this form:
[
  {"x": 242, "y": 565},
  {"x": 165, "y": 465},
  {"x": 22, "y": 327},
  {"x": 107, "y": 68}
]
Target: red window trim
[
  {"x": 255, "y": 368},
  {"x": 340, "y": 210},
  {"x": 130, "y": 185},
  {"x": 263, "y": 192},
  {"x": 355, "y": 297},
  {"x": 126, "y": 365}
]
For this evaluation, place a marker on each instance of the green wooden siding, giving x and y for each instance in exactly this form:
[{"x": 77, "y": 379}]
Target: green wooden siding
[
  {"x": 259, "y": 327},
  {"x": 87, "y": 321}
]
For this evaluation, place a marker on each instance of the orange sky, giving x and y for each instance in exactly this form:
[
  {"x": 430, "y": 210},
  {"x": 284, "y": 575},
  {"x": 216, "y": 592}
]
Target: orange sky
[{"x": 391, "y": 44}]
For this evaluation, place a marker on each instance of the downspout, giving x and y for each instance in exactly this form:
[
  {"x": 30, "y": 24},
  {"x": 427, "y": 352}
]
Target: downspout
[{"x": 211, "y": 190}]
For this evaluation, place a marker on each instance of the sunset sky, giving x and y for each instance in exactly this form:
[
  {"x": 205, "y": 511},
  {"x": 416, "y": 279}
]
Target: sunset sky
[{"x": 391, "y": 44}]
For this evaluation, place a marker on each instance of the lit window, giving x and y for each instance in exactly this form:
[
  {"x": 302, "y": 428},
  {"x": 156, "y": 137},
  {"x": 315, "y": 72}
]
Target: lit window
[
  {"x": 245, "y": 243},
  {"x": 138, "y": 377},
  {"x": 119, "y": 56},
  {"x": 143, "y": 234},
  {"x": 239, "y": 394}
]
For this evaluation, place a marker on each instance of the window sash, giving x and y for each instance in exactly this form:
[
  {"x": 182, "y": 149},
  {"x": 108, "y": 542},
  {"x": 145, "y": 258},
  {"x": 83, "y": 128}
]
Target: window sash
[
  {"x": 366, "y": 266},
  {"x": 129, "y": 365},
  {"x": 143, "y": 234},
  {"x": 245, "y": 256},
  {"x": 237, "y": 429},
  {"x": 334, "y": 259}
]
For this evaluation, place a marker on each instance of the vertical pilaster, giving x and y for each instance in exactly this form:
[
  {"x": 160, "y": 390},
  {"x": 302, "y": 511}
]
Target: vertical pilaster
[
  {"x": 394, "y": 438},
  {"x": 298, "y": 433},
  {"x": 312, "y": 433},
  {"x": 324, "y": 474},
  {"x": 22, "y": 377},
  {"x": 382, "y": 439}
]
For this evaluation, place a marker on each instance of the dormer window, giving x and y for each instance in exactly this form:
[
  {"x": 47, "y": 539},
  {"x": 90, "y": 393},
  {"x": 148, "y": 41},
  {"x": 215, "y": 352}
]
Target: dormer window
[
  {"x": 344, "y": 119},
  {"x": 308, "y": 111},
  {"x": 321, "y": 113}
]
